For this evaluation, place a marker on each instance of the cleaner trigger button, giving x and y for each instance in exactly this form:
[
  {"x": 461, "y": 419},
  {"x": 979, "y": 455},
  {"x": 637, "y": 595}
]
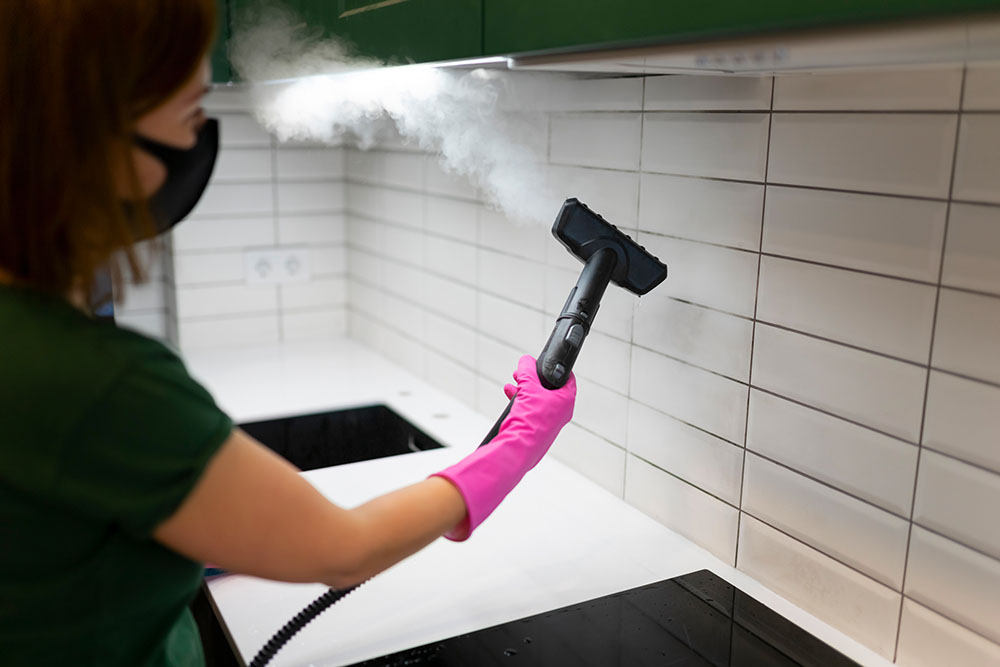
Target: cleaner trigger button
[
  {"x": 575, "y": 335},
  {"x": 560, "y": 371}
]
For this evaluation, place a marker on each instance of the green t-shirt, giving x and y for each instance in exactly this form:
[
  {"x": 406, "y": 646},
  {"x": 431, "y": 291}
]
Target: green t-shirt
[{"x": 102, "y": 435}]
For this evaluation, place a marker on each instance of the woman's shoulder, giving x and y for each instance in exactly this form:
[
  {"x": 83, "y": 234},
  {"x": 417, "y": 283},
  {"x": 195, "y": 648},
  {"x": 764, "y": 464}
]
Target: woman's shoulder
[
  {"x": 80, "y": 390},
  {"x": 61, "y": 361}
]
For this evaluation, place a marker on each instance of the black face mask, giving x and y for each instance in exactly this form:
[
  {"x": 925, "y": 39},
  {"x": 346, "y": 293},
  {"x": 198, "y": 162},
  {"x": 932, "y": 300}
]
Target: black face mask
[{"x": 188, "y": 172}]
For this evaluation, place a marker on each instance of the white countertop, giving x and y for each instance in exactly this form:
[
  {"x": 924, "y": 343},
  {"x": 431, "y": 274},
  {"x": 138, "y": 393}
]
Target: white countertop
[{"x": 556, "y": 540}]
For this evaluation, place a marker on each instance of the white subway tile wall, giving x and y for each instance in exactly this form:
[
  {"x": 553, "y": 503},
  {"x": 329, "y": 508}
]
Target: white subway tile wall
[
  {"x": 895, "y": 90},
  {"x": 263, "y": 195},
  {"x": 904, "y": 154},
  {"x": 703, "y": 519},
  {"x": 927, "y": 639},
  {"x": 840, "y": 595},
  {"x": 149, "y": 307},
  {"x": 829, "y": 308}
]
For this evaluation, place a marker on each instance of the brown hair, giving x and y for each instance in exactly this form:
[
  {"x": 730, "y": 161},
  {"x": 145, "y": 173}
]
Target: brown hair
[{"x": 76, "y": 76}]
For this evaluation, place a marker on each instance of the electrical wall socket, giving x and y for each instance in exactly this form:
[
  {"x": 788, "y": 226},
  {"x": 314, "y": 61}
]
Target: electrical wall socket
[{"x": 276, "y": 266}]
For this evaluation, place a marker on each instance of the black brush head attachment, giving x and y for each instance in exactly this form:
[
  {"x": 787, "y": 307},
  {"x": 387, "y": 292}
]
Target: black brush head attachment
[
  {"x": 608, "y": 255},
  {"x": 584, "y": 232}
]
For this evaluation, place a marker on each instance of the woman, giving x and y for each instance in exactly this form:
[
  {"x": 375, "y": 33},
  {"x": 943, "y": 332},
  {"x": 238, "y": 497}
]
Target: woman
[{"x": 119, "y": 476}]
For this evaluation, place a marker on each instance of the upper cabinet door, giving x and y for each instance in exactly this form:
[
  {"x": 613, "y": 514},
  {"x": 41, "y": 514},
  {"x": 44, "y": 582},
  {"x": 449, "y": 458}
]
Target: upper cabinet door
[
  {"x": 520, "y": 26},
  {"x": 395, "y": 31},
  {"x": 220, "y": 62}
]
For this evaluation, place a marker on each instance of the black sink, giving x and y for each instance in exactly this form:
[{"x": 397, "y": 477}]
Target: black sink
[
  {"x": 309, "y": 442},
  {"x": 344, "y": 436}
]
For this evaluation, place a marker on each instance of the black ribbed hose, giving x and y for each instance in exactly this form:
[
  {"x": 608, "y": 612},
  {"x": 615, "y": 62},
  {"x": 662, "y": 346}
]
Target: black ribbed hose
[{"x": 301, "y": 620}]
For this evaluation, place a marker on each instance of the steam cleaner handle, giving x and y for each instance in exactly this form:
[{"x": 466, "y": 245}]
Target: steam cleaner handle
[
  {"x": 496, "y": 426},
  {"x": 555, "y": 364},
  {"x": 544, "y": 367}
]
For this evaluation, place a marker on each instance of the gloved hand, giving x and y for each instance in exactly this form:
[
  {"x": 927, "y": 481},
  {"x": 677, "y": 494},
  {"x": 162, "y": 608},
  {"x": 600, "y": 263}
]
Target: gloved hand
[{"x": 486, "y": 476}]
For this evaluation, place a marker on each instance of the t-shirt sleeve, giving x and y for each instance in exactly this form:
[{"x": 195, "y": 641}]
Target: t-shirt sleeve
[{"x": 143, "y": 445}]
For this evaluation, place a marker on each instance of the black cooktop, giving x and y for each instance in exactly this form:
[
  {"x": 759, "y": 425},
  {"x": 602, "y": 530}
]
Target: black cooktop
[{"x": 693, "y": 620}]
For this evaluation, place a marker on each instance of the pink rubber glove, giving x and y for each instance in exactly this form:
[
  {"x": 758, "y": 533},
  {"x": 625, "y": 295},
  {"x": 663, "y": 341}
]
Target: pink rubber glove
[{"x": 486, "y": 476}]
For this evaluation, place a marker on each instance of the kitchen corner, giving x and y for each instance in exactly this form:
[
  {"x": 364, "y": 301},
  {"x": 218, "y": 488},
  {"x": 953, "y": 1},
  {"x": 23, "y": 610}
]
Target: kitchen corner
[
  {"x": 558, "y": 539},
  {"x": 811, "y": 397},
  {"x": 335, "y": 230}
]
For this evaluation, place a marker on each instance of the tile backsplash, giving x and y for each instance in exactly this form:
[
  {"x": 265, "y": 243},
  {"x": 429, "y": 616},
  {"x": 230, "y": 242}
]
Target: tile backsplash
[
  {"x": 812, "y": 395},
  {"x": 149, "y": 307},
  {"x": 263, "y": 195}
]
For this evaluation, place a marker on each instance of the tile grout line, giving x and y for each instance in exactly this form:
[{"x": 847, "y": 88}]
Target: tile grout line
[
  {"x": 930, "y": 356},
  {"x": 219, "y": 284},
  {"x": 240, "y": 216},
  {"x": 954, "y": 540},
  {"x": 251, "y": 314},
  {"x": 801, "y": 186},
  {"x": 202, "y": 252},
  {"x": 475, "y": 305},
  {"x": 694, "y": 365},
  {"x": 445, "y": 316},
  {"x": 635, "y": 306},
  {"x": 993, "y": 384},
  {"x": 712, "y": 244},
  {"x": 803, "y": 260},
  {"x": 830, "y": 265},
  {"x": 945, "y": 615},
  {"x": 364, "y": 182},
  {"x": 953, "y": 457},
  {"x": 799, "y": 332},
  {"x": 818, "y": 550},
  {"x": 445, "y": 237},
  {"x": 703, "y": 177},
  {"x": 684, "y": 481},
  {"x": 828, "y": 485},
  {"x": 598, "y": 113},
  {"x": 753, "y": 333},
  {"x": 869, "y": 504},
  {"x": 424, "y": 338},
  {"x": 277, "y": 232},
  {"x": 841, "y": 343}
]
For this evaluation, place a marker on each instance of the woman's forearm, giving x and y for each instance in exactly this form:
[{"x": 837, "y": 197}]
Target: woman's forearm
[
  {"x": 252, "y": 512},
  {"x": 387, "y": 529}
]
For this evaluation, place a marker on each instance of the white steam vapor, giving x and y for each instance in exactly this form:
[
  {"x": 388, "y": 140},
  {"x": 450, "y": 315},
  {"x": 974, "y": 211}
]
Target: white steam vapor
[{"x": 468, "y": 117}]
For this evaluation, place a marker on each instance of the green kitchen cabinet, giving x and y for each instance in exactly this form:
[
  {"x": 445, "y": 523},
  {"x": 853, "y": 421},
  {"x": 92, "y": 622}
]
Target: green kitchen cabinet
[
  {"x": 394, "y": 31},
  {"x": 402, "y": 31},
  {"x": 221, "y": 72},
  {"x": 532, "y": 26}
]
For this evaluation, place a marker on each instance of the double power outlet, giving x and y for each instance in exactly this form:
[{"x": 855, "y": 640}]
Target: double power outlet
[{"x": 276, "y": 266}]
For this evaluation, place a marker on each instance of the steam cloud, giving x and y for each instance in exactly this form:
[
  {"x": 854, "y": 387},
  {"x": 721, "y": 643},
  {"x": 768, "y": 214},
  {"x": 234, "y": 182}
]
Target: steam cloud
[{"x": 470, "y": 118}]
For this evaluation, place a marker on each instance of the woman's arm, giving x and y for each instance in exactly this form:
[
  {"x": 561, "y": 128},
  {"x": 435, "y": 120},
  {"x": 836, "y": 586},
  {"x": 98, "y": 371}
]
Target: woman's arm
[{"x": 252, "y": 512}]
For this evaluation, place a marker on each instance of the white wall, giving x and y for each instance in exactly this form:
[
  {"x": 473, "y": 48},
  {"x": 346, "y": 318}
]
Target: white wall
[
  {"x": 149, "y": 307},
  {"x": 813, "y": 394},
  {"x": 264, "y": 195}
]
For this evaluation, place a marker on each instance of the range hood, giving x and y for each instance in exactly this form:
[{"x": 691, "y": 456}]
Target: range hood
[{"x": 970, "y": 39}]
